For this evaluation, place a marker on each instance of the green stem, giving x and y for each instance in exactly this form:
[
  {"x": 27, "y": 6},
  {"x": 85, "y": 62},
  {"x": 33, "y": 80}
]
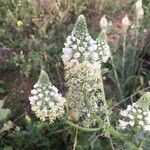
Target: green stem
[
  {"x": 142, "y": 144},
  {"x": 75, "y": 140},
  {"x": 136, "y": 32},
  {"x": 124, "y": 50},
  {"x": 109, "y": 129},
  {"x": 116, "y": 76},
  {"x": 82, "y": 128},
  {"x": 118, "y": 135},
  {"x": 104, "y": 100}
]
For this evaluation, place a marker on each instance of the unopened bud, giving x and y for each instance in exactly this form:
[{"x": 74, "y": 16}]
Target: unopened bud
[
  {"x": 110, "y": 24},
  {"x": 103, "y": 22},
  {"x": 74, "y": 116},
  {"x": 125, "y": 23}
]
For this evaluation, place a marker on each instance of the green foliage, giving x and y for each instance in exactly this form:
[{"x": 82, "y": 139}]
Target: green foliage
[
  {"x": 36, "y": 135},
  {"x": 3, "y": 111}
]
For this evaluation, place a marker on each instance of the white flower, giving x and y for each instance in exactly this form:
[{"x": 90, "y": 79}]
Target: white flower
[
  {"x": 77, "y": 55},
  {"x": 44, "y": 88},
  {"x": 94, "y": 56},
  {"x": 146, "y": 127},
  {"x": 135, "y": 105},
  {"x": 65, "y": 58},
  {"x": 97, "y": 65},
  {"x": 67, "y": 50},
  {"x": 131, "y": 123},
  {"x": 78, "y": 42},
  {"x": 131, "y": 116},
  {"x": 139, "y": 116},
  {"x": 51, "y": 104},
  {"x": 47, "y": 99},
  {"x": 129, "y": 108},
  {"x": 69, "y": 38},
  {"x": 147, "y": 119},
  {"x": 45, "y": 110},
  {"x": 87, "y": 38},
  {"x": 73, "y": 38},
  {"x": 123, "y": 124},
  {"x": 144, "y": 113},
  {"x": 148, "y": 113},
  {"x": 133, "y": 110},
  {"x": 46, "y": 92},
  {"x": 39, "y": 90},
  {"x": 36, "y": 85},
  {"x": 40, "y": 95},
  {"x": 81, "y": 49},
  {"x": 139, "y": 111},
  {"x": 52, "y": 93},
  {"x": 54, "y": 89},
  {"x": 35, "y": 97},
  {"x": 34, "y": 92},
  {"x": 124, "y": 113},
  {"x": 85, "y": 45},
  {"x": 141, "y": 123},
  {"x": 74, "y": 46},
  {"x": 39, "y": 103}
]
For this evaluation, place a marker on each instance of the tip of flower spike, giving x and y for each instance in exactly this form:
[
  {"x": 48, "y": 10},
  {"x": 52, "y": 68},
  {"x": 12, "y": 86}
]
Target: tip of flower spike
[
  {"x": 102, "y": 35},
  {"x": 80, "y": 27},
  {"x": 43, "y": 78},
  {"x": 144, "y": 101}
]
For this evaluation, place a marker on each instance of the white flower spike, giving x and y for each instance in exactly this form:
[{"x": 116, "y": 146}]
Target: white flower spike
[{"x": 47, "y": 106}]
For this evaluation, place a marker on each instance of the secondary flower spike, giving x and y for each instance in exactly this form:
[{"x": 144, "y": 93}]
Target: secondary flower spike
[
  {"x": 102, "y": 49},
  {"x": 137, "y": 114},
  {"x": 45, "y": 101}
]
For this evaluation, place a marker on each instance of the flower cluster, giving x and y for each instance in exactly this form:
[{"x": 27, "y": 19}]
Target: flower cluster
[
  {"x": 84, "y": 92},
  {"x": 103, "y": 49},
  {"x": 80, "y": 47},
  {"x": 135, "y": 116},
  {"x": 45, "y": 101},
  {"x": 139, "y": 9}
]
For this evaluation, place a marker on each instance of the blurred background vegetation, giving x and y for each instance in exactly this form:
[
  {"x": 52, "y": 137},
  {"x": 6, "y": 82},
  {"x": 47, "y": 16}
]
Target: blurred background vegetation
[{"x": 32, "y": 34}]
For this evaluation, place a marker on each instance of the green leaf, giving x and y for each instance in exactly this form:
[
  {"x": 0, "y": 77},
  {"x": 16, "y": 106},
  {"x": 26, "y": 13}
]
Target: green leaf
[
  {"x": 2, "y": 90},
  {"x": 1, "y": 103},
  {"x": 4, "y": 114}
]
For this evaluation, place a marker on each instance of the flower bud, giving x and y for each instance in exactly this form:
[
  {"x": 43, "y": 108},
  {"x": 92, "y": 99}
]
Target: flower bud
[
  {"x": 125, "y": 23},
  {"x": 103, "y": 22}
]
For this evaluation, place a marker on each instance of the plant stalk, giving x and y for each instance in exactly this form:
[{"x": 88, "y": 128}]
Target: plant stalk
[
  {"x": 124, "y": 50},
  {"x": 116, "y": 76},
  {"x": 118, "y": 135}
]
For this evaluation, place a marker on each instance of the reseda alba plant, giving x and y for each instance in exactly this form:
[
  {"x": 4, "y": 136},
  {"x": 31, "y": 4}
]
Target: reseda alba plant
[{"x": 85, "y": 106}]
